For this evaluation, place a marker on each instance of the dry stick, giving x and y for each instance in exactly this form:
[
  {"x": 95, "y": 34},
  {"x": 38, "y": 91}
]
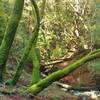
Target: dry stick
[
  {"x": 82, "y": 89},
  {"x": 61, "y": 60}
]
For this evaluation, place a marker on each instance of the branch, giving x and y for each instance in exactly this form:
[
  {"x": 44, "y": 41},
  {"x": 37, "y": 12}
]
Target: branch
[
  {"x": 69, "y": 56},
  {"x": 36, "y": 88},
  {"x": 81, "y": 89}
]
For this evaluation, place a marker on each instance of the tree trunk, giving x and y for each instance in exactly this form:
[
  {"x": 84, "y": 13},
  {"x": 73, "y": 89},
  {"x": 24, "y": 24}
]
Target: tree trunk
[
  {"x": 36, "y": 65},
  {"x": 2, "y": 21},
  {"x": 36, "y": 53},
  {"x": 10, "y": 34},
  {"x": 36, "y": 88},
  {"x": 32, "y": 42}
]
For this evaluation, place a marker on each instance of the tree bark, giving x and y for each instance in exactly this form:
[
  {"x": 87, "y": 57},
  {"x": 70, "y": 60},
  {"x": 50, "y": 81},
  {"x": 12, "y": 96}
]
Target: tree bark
[
  {"x": 36, "y": 65},
  {"x": 2, "y": 21},
  {"x": 36, "y": 88},
  {"x": 10, "y": 34},
  {"x": 36, "y": 53},
  {"x": 32, "y": 42}
]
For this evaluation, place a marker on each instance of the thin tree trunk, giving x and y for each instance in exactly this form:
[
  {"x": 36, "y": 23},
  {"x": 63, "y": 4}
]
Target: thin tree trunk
[
  {"x": 36, "y": 65},
  {"x": 36, "y": 53}
]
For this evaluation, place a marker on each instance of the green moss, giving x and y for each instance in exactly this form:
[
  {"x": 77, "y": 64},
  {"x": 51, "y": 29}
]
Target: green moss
[
  {"x": 36, "y": 70},
  {"x": 10, "y": 34},
  {"x": 2, "y": 21},
  {"x": 36, "y": 88},
  {"x": 32, "y": 42}
]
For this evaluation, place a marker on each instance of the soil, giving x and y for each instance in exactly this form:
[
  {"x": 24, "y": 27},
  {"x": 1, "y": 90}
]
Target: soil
[{"x": 80, "y": 77}]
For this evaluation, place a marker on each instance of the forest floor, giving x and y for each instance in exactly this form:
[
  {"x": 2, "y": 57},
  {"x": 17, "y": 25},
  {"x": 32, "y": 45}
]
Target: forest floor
[
  {"x": 57, "y": 90},
  {"x": 53, "y": 92}
]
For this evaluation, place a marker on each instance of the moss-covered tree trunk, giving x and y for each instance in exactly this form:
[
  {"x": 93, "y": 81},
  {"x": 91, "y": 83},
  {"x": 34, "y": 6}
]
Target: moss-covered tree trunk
[
  {"x": 35, "y": 54},
  {"x": 32, "y": 42},
  {"x": 10, "y": 34},
  {"x": 35, "y": 51},
  {"x": 2, "y": 21},
  {"x": 36, "y": 88}
]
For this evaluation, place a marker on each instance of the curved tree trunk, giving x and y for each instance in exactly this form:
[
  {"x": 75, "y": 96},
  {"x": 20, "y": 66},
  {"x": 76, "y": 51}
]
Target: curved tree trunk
[
  {"x": 10, "y": 34},
  {"x": 36, "y": 53}
]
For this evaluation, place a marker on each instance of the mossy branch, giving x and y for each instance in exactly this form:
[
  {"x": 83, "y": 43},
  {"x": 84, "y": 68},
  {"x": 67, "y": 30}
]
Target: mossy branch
[{"x": 36, "y": 88}]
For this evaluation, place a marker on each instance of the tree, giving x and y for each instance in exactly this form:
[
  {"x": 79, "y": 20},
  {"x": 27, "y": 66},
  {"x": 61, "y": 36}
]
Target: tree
[
  {"x": 10, "y": 34},
  {"x": 32, "y": 42},
  {"x": 2, "y": 20},
  {"x": 39, "y": 86}
]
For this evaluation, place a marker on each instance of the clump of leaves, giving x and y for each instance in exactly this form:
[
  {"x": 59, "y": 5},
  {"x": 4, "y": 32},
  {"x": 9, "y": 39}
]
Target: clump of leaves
[{"x": 95, "y": 67}]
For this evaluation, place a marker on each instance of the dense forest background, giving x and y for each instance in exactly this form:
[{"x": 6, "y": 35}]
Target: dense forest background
[{"x": 66, "y": 30}]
